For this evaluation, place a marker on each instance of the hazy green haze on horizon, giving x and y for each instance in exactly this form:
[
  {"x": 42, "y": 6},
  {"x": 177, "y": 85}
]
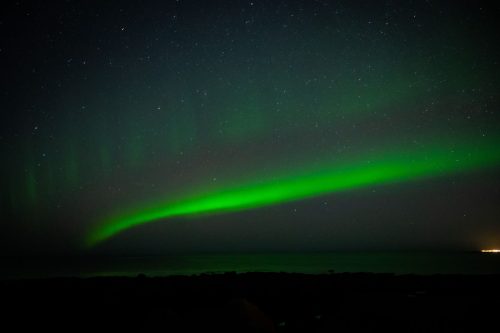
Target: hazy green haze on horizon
[{"x": 407, "y": 262}]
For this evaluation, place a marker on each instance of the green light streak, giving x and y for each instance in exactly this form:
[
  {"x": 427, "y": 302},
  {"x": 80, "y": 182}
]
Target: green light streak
[{"x": 370, "y": 169}]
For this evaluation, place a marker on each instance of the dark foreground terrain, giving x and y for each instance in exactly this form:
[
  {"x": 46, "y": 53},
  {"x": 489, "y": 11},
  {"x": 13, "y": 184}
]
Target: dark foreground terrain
[{"x": 255, "y": 302}]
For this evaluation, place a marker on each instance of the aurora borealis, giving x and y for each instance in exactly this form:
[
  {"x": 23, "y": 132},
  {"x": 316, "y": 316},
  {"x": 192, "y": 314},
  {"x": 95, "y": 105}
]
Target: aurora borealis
[
  {"x": 391, "y": 168},
  {"x": 309, "y": 124}
]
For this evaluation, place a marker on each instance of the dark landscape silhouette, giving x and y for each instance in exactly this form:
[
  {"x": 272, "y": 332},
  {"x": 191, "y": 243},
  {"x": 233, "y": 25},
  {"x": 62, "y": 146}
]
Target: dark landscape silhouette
[{"x": 255, "y": 302}]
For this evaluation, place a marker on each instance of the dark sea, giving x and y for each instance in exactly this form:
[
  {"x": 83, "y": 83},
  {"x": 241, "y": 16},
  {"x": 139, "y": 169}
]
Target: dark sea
[{"x": 425, "y": 263}]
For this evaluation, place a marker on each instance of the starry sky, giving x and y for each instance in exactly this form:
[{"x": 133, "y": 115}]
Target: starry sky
[{"x": 160, "y": 126}]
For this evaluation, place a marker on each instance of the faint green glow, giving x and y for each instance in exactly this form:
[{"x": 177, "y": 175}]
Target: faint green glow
[
  {"x": 369, "y": 169},
  {"x": 49, "y": 179},
  {"x": 244, "y": 117},
  {"x": 71, "y": 168},
  {"x": 135, "y": 151},
  {"x": 244, "y": 123},
  {"x": 31, "y": 187},
  {"x": 181, "y": 132},
  {"x": 104, "y": 159}
]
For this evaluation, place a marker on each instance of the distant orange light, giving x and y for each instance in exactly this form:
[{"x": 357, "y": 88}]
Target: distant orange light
[{"x": 491, "y": 251}]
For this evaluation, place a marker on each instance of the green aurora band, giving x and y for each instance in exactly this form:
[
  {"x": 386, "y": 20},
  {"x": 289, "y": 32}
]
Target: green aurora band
[{"x": 370, "y": 169}]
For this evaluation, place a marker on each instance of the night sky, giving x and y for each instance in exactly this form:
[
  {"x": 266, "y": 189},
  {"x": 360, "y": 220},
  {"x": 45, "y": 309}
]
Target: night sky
[{"x": 164, "y": 126}]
